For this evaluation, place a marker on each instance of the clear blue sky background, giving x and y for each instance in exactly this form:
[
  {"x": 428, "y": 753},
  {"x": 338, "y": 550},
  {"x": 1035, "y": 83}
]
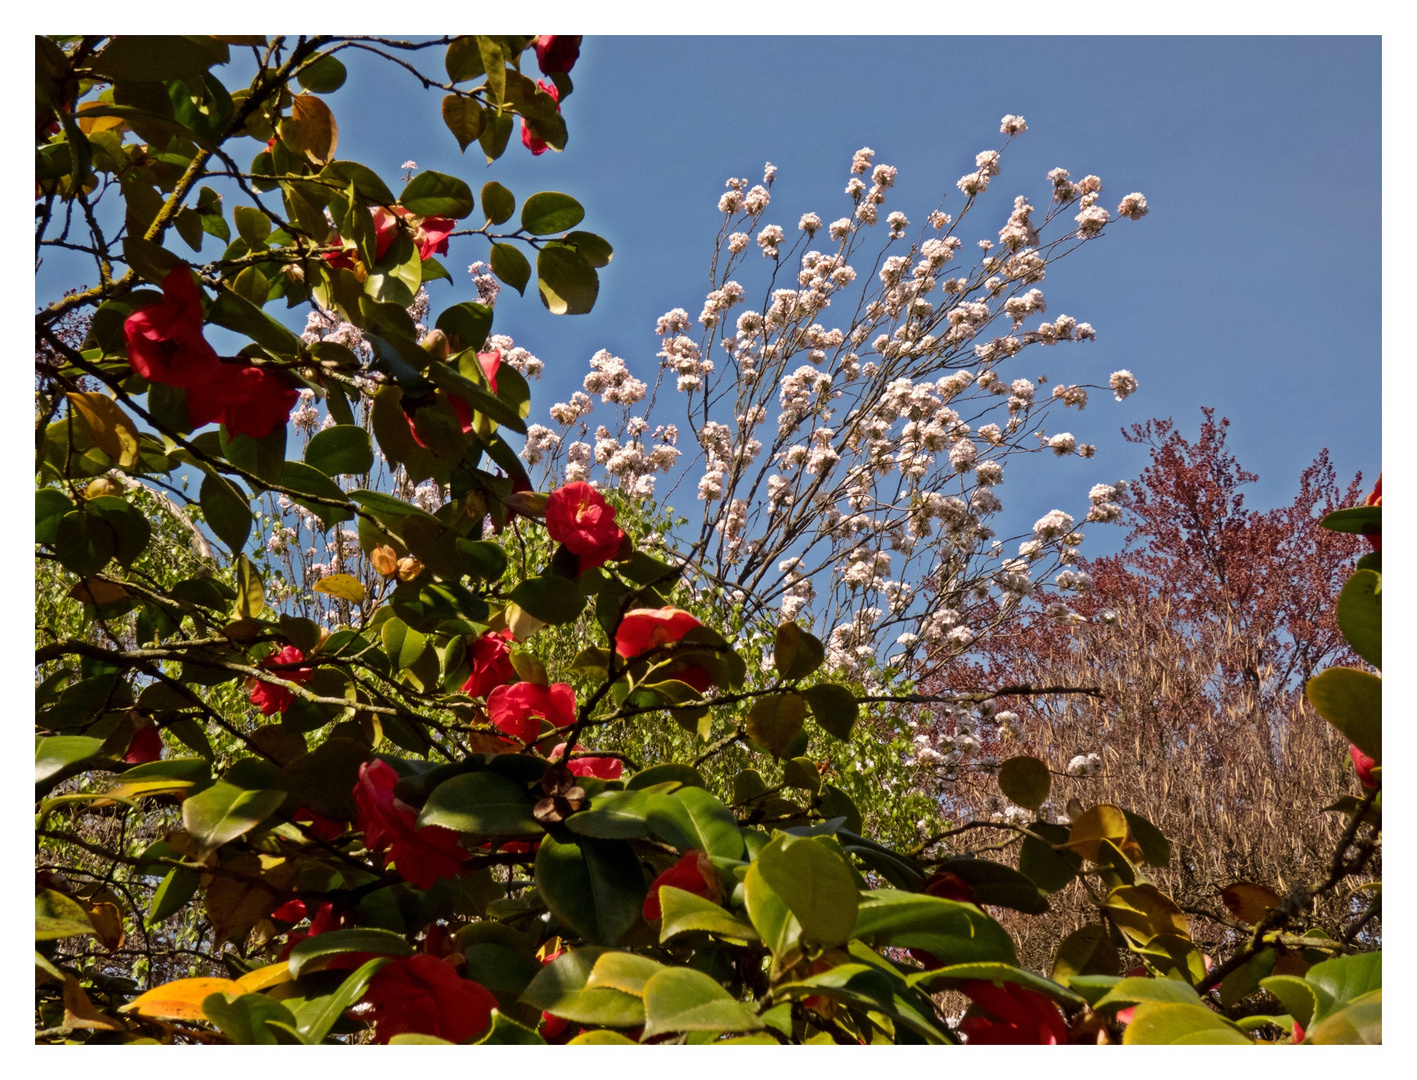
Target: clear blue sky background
[{"x": 1254, "y": 286}]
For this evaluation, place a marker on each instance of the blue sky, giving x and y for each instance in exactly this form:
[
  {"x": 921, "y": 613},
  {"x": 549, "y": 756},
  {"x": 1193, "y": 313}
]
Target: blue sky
[{"x": 1254, "y": 286}]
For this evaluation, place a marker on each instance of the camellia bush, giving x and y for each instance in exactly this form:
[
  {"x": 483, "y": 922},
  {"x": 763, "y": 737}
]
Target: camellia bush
[{"x": 353, "y": 780}]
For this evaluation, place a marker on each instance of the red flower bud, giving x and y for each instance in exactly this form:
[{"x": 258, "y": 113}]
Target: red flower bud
[
  {"x": 693, "y": 873},
  {"x": 533, "y": 142},
  {"x": 1363, "y": 765},
  {"x": 557, "y": 53}
]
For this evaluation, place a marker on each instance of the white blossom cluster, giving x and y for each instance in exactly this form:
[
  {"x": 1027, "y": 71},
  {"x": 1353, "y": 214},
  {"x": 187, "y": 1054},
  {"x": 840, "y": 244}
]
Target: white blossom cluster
[{"x": 847, "y": 441}]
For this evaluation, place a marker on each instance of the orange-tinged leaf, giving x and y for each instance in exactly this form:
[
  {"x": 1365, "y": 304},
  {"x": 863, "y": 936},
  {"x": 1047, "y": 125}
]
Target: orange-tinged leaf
[
  {"x": 1249, "y": 902},
  {"x": 79, "y": 1011},
  {"x": 98, "y": 591},
  {"x": 107, "y": 925},
  {"x": 1103, "y": 821},
  {"x": 180, "y": 1000},
  {"x": 318, "y": 132}
]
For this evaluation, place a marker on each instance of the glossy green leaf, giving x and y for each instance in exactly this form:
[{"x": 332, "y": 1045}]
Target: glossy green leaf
[
  {"x": 481, "y": 804},
  {"x": 173, "y": 893},
  {"x": 466, "y": 324},
  {"x": 833, "y": 708},
  {"x": 227, "y": 511},
  {"x": 342, "y": 450},
  {"x": 1172, "y": 1024},
  {"x": 1359, "y": 1023},
  {"x": 568, "y": 284},
  {"x": 433, "y": 193},
  {"x": 58, "y": 916},
  {"x": 613, "y": 815},
  {"x": 1025, "y": 781},
  {"x": 682, "y": 999},
  {"x": 1345, "y": 978},
  {"x": 323, "y": 75},
  {"x": 595, "y": 886},
  {"x": 815, "y": 883},
  {"x": 552, "y": 600},
  {"x": 692, "y": 817},
  {"x": 950, "y": 977},
  {"x": 1360, "y": 615},
  {"x": 954, "y": 933},
  {"x": 510, "y": 266},
  {"x": 315, "y": 1018},
  {"x": 592, "y": 248},
  {"x": 686, "y": 912},
  {"x": 775, "y": 721},
  {"x": 497, "y": 202},
  {"x": 58, "y": 752},
  {"x": 549, "y": 212},
  {"x": 465, "y": 118},
  {"x": 1048, "y": 868},
  {"x": 1352, "y": 701},
  {"x": 560, "y": 989},
  {"x": 1087, "y": 951},
  {"x": 506, "y": 1032},
  {"x": 339, "y": 942},
  {"x": 669, "y": 771},
  {"x": 224, "y": 811},
  {"x": 249, "y": 1019},
  {"x": 796, "y": 653}
]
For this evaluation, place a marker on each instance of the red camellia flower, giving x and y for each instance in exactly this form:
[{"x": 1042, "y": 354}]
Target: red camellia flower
[
  {"x": 519, "y": 709},
  {"x": 421, "y": 856},
  {"x": 325, "y": 919},
  {"x": 1375, "y": 541},
  {"x": 606, "y": 768},
  {"x": 491, "y": 660},
  {"x": 693, "y": 873},
  {"x": 317, "y": 825},
  {"x": 165, "y": 342},
  {"x": 165, "y": 345},
  {"x": 269, "y": 697},
  {"x": 1362, "y": 765},
  {"x": 146, "y": 745},
  {"x": 247, "y": 399},
  {"x": 1011, "y": 1015},
  {"x": 557, "y": 52},
  {"x": 644, "y": 629},
  {"x": 578, "y": 516},
  {"x": 425, "y": 995},
  {"x": 530, "y": 139},
  {"x": 949, "y": 886}
]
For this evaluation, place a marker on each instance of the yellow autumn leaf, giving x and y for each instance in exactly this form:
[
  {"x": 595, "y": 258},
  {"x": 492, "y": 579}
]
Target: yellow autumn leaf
[
  {"x": 343, "y": 586},
  {"x": 180, "y": 1000},
  {"x": 112, "y": 431},
  {"x": 1103, "y": 821},
  {"x": 264, "y": 977}
]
